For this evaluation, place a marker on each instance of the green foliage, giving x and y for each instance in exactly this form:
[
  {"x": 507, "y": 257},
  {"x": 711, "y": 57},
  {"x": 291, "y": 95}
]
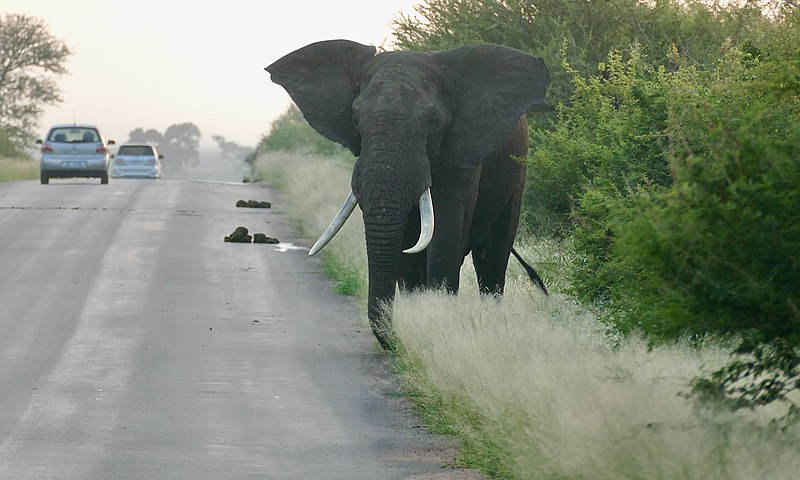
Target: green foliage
[
  {"x": 610, "y": 136},
  {"x": 590, "y": 29},
  {"x": 29, "y": 56},
  {"x": 14, "y": 164},
  {"x": 291, "y": 133},
  {"x": 762, "y": 374},
  {"x": 574, "y": 37},
  {"x": 347, "y": 277},
  {"x": 701, "y": 235},
  {"x": 7, "y": 147}
]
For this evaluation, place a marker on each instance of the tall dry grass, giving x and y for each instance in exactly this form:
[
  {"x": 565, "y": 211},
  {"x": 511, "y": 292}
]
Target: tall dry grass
[
  {"x": 18, "y": 169},
  {"x": 535, "y": 385}
]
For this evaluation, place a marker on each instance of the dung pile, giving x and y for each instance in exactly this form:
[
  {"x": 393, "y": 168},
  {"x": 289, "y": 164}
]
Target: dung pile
[
  {"x": 261, "y": 238},
  {"x": 241, "y": 235},
  {"x": 253, "y": 204}
]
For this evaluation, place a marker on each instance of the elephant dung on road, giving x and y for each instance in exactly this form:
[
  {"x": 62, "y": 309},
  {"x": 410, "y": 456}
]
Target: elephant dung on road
[{"x": 437, "y": 130}]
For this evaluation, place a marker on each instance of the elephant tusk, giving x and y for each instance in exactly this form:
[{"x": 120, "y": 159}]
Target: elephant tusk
[
  {"x": 336, "y": 225},
  {"x": 426, "y": 221}
]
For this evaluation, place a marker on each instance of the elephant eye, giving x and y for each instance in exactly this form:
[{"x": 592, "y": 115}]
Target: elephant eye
[{"x": 434, "y": 120}]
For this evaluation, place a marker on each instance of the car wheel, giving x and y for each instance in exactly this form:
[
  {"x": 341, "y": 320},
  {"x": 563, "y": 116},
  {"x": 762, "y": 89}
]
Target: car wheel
[
  {"x": 104, "y": 179},
  {"x": 44, "y": 178}
]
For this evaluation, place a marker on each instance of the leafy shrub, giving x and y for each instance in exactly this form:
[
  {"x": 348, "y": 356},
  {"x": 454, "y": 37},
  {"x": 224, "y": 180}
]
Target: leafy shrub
[
  {"x": 290, "y": 132},
  {"x": 590, "y": 29},
  {"x": 711, "y": 244},
  {"x": 610, "y": 136}
]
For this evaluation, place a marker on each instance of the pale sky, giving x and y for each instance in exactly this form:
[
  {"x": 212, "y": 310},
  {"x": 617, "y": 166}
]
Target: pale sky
[{"x": 154, "y": 63}]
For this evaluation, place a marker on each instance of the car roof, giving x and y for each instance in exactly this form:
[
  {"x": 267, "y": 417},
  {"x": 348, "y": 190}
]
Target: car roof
[
  {"x": 138, "y": 144},
  {"x": 74, "y": 125}
]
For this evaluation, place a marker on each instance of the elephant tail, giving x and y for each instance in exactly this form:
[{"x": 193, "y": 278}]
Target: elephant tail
[{"x": 535, "y": 278}]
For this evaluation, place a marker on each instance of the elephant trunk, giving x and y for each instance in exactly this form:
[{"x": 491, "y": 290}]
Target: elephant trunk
[
  {"x": 383, "y": 228},
  {"x": 388, "y": 183}
]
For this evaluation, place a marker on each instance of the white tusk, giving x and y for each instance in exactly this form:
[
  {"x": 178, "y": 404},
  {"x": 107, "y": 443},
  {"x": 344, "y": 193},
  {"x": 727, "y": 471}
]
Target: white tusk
[
  {"x": 426, "y": 223},
  {"x": 336, "y": 224}
]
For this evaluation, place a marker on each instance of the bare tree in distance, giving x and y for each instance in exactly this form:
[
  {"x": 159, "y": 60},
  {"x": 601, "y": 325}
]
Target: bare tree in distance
[{"x": 29, "y": 57}]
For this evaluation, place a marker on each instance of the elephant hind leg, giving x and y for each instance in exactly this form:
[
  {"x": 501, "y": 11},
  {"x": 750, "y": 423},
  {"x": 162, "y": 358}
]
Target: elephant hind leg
[
  {"x": 490, "y": 257},
  {"x": 491, "y": 270}
]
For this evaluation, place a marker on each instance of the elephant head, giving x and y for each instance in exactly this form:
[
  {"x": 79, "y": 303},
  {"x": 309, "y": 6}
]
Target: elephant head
[{"x": 407, "y": 116}]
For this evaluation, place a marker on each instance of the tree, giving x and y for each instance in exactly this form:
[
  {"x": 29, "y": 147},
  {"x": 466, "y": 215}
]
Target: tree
[
  {"x": 149, "y": 136},
  {"x": 183, "y": 143},
  {"x": 588, "y": 29},
  {"x": 290, "y": 132},
  {"x": 29, "y": 56},
  {"x": 231, "y": 151},
  {"x": 681, "y": 186},
  {"x": 180, "y": 144}
]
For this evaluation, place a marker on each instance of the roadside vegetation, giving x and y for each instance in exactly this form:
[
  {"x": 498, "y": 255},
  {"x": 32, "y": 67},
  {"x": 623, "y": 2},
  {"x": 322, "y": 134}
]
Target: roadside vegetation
[
  {"x": 660, "y": 209},
  {"x": 14, "y": 164},
  {"x": 31, "y": 59},
  {"x": 18, "y": 168}
]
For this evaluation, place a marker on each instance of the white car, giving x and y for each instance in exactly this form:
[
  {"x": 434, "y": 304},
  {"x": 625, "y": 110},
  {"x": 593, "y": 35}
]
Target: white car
[
  {"x": 75, "y": 150},
  {"x": 137, "y": 160}
]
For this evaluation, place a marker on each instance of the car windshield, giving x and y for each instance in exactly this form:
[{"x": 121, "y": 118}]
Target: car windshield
[
  {"x": 135, "y": 150},
  {"x": 74, "y": 135}
]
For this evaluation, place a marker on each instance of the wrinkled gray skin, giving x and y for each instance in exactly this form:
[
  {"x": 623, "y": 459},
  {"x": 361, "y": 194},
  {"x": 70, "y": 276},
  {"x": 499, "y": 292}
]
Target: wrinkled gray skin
[{"x": 449, "y": 120}]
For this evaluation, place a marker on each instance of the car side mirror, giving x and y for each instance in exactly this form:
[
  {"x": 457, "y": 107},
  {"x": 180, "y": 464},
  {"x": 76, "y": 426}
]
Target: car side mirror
[
  {"x": 112, "y": 155},
  {"x": 112, "y": 142},
  {"x": 38, "y": 141}
]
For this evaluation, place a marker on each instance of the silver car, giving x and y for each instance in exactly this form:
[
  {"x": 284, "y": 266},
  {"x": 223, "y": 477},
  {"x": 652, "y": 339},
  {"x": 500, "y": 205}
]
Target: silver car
[
  {"x": 74, "y": 150},
  {"x": 137, "y": 160}
]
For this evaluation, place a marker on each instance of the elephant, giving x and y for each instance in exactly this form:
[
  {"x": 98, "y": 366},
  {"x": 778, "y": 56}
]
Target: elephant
[{"x": 442, "y": 131}]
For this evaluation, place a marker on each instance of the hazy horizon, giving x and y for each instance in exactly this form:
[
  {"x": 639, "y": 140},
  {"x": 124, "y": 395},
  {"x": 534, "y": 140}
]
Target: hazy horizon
[{"x": 151, "y": 64}]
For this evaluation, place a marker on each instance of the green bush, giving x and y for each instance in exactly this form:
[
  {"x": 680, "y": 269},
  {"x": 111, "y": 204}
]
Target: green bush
[
  {"x": 290, "y": 132},
  {"x": 694, "y": 230},
  {"x": 696, "y": 28},
  {"x": 610, "y": 136},
  {"x": 8, "y": 148}
]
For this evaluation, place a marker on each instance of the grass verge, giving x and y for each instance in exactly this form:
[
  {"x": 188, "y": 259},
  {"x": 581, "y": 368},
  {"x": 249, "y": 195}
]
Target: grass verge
[{"x": 18, "y": 169}]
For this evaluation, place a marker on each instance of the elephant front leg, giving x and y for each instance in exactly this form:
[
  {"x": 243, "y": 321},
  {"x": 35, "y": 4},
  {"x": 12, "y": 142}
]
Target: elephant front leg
[
  {"x": 453, "y": 202},
  {"x": 444, "y": 267},
  {"x": 413, "y": 267}
]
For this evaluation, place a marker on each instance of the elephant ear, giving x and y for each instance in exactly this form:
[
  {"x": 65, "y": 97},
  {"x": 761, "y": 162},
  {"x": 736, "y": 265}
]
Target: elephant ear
[
  {"x": 493, "y": 87},
  {"x": 320, "y": 79}
]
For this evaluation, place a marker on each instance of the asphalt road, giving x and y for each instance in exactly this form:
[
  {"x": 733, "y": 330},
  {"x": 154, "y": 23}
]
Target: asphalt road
[{"x": 136, "y": 344}]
